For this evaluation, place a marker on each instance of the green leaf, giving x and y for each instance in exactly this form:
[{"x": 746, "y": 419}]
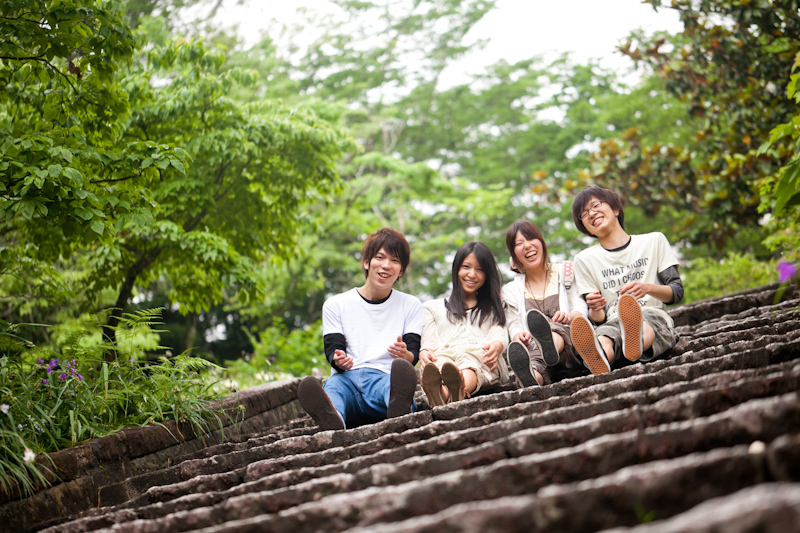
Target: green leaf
[
  {"x": 178, "y": 165},
  {"x": 26, "y": 209},
  {"x": 787, "y": 186},
  {"x": 54, "y": 170},
  {"x": 98, "y": 227},
  {"x": 147, "y": 162},
  {"x": 85, "y": 214}
]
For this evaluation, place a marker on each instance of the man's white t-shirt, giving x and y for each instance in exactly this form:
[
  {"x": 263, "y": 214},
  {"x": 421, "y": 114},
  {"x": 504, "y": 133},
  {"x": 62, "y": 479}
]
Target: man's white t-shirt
[
  {"x": 370, "y": 328},
  {"x": 597, "y": 269}
]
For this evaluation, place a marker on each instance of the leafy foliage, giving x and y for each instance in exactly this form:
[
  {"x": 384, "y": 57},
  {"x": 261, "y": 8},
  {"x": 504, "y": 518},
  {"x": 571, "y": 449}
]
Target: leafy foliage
[
  {"x": 52, "y": 400},
  {"x": 280, "y": 353},
  {"x": 782, "y": 193},
  {"x": 708, "y": 277},
  {"x": 726, "y": 66}
]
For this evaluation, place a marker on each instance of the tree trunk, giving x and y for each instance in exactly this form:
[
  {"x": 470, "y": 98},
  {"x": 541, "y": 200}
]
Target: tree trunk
[{"x": 125, "y": 292}]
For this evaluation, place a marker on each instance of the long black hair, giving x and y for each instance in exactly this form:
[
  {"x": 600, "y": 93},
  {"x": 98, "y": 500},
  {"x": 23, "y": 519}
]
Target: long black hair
[{"x": 489, "y": 306}]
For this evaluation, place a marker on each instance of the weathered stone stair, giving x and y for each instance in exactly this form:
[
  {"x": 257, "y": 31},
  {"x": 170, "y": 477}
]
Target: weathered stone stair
[{"x": 691, "y": 442}]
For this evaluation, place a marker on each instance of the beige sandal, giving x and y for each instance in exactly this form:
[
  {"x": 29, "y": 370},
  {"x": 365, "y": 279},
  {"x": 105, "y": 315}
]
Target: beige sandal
[
  {"x": 454, "y": 381},
  {"x": 432, "y": 385}
]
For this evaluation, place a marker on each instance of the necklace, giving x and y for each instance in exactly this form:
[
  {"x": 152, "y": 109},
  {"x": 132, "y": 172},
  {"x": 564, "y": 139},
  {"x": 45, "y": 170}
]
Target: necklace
[{"x": 540, "y": 307}]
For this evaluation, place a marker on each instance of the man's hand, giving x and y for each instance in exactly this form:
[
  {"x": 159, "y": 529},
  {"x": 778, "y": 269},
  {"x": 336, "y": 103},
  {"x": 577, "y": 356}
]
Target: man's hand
[
  {"x": 341, "y": 360},
  {"x": 636, "y": 289},
  {"x": 399, "y": 350},
  {"x": 493, "y": 351},
  {"x": 595, "y": 301},
  {"x": 426, "y": 357}
]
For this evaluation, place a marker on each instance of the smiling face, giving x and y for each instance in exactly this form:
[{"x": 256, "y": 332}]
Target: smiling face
[
  {"x": 382, "y": 271},
  {"x": 471, "y": 276},
  {"x": 528, "y": 253},
  {"x": 599, "y": 218}
]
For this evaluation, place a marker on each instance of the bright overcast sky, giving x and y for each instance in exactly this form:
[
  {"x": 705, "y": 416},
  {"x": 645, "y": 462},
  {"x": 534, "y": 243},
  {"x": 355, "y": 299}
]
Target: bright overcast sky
[{"x": 516, "y": 29}]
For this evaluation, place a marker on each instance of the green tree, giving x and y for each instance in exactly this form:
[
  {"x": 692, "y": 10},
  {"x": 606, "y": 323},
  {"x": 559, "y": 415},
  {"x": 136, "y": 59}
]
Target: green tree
[{"x": 728, "y": 66}]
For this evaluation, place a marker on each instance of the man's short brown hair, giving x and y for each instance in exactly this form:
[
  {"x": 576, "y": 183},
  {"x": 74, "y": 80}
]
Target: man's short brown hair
[{"x": 392, "y": 241}]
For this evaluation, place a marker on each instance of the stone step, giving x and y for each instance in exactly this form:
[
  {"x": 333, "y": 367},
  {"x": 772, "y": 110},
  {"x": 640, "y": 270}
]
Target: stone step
[
  {"x": 766, "y": 508},
  {"x": 488, "y": 447},
  {"x": 229, "y": 463},
  {"x": 666, "y": 487},
  {"x": 727, "y": 360}
]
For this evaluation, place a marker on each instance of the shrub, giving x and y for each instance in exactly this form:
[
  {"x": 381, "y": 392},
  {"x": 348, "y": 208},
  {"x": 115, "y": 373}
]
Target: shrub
[
  {"x": 51, "y": 400},
  {"x": 280, "y": 354},
  {"x": 708, "y": 278}
]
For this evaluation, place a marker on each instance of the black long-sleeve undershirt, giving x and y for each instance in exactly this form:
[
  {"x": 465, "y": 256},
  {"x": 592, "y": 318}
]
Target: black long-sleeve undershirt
[{"x": 670, "y": 276}]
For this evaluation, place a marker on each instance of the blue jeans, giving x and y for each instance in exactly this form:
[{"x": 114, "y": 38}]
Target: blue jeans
[{"x": 360, "y": 395}]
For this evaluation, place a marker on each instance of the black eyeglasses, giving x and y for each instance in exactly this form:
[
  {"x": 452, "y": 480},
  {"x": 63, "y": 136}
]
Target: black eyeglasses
[{"x": 594, "y": 206}]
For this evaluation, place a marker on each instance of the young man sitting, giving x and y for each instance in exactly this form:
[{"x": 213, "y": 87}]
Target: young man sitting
[
  {"x": 627, "y": 281},
  {"x": 372, "y": 337}
]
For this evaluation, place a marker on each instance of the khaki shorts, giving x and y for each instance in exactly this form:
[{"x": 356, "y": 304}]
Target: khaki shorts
[{"x": 662, "y": 325}]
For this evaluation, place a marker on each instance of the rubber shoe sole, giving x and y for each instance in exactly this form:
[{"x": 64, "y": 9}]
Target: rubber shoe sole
[
  {"x": 432, "y": 385},
  {"x": 315, "y": 401},
  {"x": 630, "y": 316},
  {"x": 539, "y": 328},
  {"x": 454, "y": 381},
  {"x": 403, "y": 384},
  {"x": 585, "y": 342},
  {"x": 520, "y": 361}
]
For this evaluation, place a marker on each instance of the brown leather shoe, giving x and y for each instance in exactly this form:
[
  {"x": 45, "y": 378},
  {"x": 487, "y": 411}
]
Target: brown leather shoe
[
  {"x": 402, "y": 388},
  {"x": 315, "y": 401}
]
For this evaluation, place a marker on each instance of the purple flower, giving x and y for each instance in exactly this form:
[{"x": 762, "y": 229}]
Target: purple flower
[
  {"x": 72, "y": 371},
  {"x": 80, "y": 377},
  {"x": 786, "y": 271},
  {"x": 41, "y": 361},
  {"x": 45, "y": 381},
  {"x": 4, "y": 408},
  {"x": 63, "y": 376},
  {"x": 49, "y": 369}
]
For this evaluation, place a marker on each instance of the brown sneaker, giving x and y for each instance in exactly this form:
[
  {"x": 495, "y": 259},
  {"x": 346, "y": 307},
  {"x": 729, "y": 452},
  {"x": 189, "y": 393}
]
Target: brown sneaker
[
  {"x": 313, "y": 399},
  {"x": 432, "y": 385},
  {"x": 454, "y": 381},
  {"x": 630, "y": 316},
  {"x": 584, "y": 339},
  {"x": 403, "y": 384}
]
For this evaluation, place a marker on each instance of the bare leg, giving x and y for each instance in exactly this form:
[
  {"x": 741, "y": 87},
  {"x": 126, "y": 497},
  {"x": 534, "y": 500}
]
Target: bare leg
[
  {"x": 608, "y": 347},
  {"x": 470, "y": 380},
  {"x": 559, "y": 342}
]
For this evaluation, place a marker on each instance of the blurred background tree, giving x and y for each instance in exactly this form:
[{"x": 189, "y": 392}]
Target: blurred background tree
[{"x": 235, "y": 183}]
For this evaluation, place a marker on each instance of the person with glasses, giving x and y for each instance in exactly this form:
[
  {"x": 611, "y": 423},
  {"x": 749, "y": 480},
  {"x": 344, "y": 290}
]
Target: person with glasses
[
  {"x": 627, "y": 282},
  {"x": 541, "y": 302}
]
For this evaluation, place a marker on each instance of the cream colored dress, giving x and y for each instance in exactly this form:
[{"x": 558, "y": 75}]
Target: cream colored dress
[{"x": 462, "y": 342}]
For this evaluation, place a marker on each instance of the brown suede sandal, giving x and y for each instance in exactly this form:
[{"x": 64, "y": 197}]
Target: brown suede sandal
[
  {"x": 432, "y": 385},
  {"x": 454, "y": 381}
]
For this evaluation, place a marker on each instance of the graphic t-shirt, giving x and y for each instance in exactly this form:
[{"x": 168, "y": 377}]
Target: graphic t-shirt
[
  {"x": 370, "y": 328},
  {"x": 598, "y": 269}
]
